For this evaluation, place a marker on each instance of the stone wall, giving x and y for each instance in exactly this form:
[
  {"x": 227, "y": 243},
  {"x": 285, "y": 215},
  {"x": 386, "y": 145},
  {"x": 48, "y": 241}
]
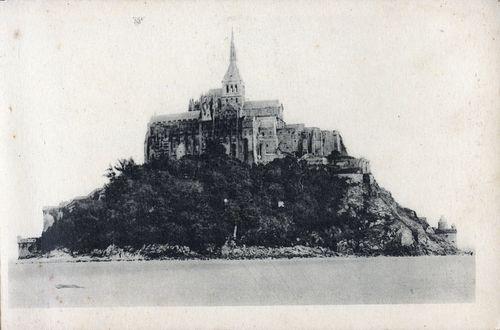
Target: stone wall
[
  {"x": 253, "y": 133},
  {"x": 450, "y": 235},
  {"x": 299, "y": 140},
  {"x": 351, "y": 165},
  {"x": 28, "y": 247},
  {"x": 289, "y": 138}
]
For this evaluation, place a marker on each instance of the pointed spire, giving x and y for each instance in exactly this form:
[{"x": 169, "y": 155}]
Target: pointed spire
[
  {"x": 232, "y": 73},
  {"x": 232, "y": 55}
]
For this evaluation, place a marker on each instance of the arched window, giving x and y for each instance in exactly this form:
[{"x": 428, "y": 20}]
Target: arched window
[
  {"x": 227, "y": 88},
  {"x": 245, "y": 150},
  {"x": 236, "y": 88}
]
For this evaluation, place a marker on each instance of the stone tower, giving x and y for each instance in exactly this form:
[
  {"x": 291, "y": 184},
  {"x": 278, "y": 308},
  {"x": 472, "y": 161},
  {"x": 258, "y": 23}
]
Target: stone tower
[
  {"x": 233, "y": 88},
  {"x": 442, "y": 224},
  {"x": 449, "y": 234}
]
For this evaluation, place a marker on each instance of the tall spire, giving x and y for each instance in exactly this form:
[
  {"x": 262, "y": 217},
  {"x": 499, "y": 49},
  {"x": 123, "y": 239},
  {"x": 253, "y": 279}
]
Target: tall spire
[
  {"x": 232, "y": 54},
  {"x": 232, "y": 74},
  {"x": 233, "y": 88}
]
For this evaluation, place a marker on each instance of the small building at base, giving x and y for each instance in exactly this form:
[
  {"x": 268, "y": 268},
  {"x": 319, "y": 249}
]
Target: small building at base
[
  {"x": 448, "y": 233},
  {"x": 28, "y": 247}
]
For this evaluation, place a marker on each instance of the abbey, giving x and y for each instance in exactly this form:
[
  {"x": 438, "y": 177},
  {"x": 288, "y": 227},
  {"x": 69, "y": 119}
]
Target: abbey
[{"x": 252, "y": 131}]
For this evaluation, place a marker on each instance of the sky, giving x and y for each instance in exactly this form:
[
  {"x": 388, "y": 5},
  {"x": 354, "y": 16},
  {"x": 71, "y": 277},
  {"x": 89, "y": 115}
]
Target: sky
[{"x": 411, "y": 86}]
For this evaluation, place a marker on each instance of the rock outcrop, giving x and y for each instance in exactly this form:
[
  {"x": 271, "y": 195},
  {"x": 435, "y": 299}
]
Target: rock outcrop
[{"x": 386, "y": 226}]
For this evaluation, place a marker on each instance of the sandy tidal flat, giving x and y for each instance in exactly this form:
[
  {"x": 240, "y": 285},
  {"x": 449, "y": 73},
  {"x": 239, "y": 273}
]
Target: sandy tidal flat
[{"x": 380, "y": 280}]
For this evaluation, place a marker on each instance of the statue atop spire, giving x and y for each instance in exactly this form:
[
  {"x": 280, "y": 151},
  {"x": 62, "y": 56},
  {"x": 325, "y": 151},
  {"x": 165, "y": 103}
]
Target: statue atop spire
[{"x": 233, "y": 88}]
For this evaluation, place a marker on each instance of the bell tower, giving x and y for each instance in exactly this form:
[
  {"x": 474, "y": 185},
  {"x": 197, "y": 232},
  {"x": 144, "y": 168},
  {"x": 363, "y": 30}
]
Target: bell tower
[{"x": 233, "y": 88}]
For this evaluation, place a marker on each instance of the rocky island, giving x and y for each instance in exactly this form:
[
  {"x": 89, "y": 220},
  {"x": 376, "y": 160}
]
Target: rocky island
[
  {"x": 214, "y": 206},
  {"x": 229, "y": 178}
]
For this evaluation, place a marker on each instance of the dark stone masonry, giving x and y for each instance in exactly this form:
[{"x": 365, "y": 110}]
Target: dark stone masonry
[{"x": 251, "y": 131}]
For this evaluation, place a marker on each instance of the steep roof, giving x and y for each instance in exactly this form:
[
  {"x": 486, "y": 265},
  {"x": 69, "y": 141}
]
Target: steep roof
[
  {"x": 232, "y": 73},
  {"x": 215, "y": 91},
  {"x": 250, "y": 105},
  {"x": 190, "y": 115}
]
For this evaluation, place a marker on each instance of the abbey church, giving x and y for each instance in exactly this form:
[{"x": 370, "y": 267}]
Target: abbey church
[{"x": 252, "y": 131}]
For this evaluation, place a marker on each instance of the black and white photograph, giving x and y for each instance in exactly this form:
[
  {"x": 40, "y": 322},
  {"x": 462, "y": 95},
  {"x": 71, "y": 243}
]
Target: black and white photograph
[{"x": 269, "y": 164}]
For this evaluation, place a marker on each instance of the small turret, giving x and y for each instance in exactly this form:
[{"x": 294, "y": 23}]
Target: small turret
[
  {"x": 449, "y": 234},
  {"x": 442, "y": 224}
]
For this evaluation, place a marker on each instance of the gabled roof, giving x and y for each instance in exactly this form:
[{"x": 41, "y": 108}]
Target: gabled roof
[
  {"x": 189, "y": 115},
  {"x": 250, "y": 105},
  {"x": 215, "y": 91}
]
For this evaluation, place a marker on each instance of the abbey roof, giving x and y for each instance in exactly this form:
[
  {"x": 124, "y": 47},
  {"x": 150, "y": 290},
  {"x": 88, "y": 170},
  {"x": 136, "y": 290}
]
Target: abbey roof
[
  {"x": 250, "y": 105},
  {"x": 189, "y": 115},
  {"x": 215, "y": 91}
]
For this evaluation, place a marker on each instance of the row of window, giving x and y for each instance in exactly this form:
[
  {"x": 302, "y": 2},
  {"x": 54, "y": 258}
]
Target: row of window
[
  {"x": 232, "y": 88},
  {"x": 231, "y": 99}
]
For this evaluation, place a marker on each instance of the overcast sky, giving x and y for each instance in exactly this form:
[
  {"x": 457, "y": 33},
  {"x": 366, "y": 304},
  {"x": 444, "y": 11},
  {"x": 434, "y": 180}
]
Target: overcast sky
[{"x": 413, "y": 87}]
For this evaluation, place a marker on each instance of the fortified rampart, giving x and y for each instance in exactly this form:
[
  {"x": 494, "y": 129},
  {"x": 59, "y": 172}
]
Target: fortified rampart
[{"x": 28, "y": 247}]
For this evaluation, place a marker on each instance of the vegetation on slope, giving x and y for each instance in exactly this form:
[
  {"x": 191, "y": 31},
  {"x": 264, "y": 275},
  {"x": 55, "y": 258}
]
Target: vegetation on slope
[{"x": 202, "y": 202}]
